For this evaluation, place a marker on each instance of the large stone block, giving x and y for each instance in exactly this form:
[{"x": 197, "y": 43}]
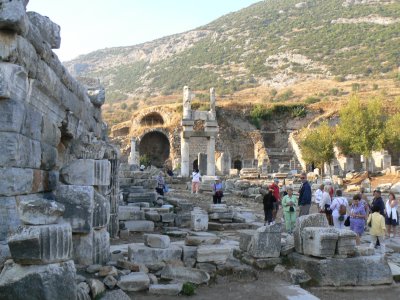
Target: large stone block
[
  {"x": 79, "y": 206},
  {"x": 346, "y": 244},
  {"x": 313, "y": 220},
  {"x": 131, "y": 213},
  {"x": 43, "y": 244},
  {"x": 13, "y": 17},
  {"x": 101, "y": 246},
  {"x": 48, "y": 30},
  {"x": 13, "y": 81},
  {"x": 140, "y": 253},
  {"x": 172, "y": 289},
  {"x": 319, "y": 241},
  {"x": 351, "y": 271},
  {"x": 39, "y": 209},
  {"x": 12, "y": 115},
  {"x": 49, "y": 157},
  {"x": 214, "y": 253},
  {"x": 183, "y": 274},
  {"x": 157, "y": 241},
  {"x": 9, "y": 220},
  {"x": 199, "y": 220},
  {"x": 50, "y": 134},
  {"x": 139, "y": 226},
  {"x": 266, "y": 242},
  {"x": 44, "y": 282},
  {"x": 201, "y": 238},
  {"x": 134, "y": 282},
  {"x": 101, "y": 212},
  {"x": 19, "y": 151},
  {"x": 87, "y": 172},
  {"x": 92, "y": 248}
]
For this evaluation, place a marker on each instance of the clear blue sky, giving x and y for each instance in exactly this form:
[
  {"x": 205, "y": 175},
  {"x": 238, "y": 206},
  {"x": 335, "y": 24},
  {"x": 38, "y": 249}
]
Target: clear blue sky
[{"x": 88, "y": 25}]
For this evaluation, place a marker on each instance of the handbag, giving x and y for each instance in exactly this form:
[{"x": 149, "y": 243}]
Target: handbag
[
  {"x": 291, "y": 209},
  {"x": 347, "y": 222}
]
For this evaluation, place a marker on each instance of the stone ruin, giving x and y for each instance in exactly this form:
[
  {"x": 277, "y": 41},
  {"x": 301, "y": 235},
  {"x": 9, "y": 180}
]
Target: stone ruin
[{"x": 59, "y": 175}]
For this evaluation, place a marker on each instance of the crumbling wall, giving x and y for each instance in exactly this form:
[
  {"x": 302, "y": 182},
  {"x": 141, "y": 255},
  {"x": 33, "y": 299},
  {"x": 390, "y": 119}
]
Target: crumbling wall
[{"x": 53, "y": 141}]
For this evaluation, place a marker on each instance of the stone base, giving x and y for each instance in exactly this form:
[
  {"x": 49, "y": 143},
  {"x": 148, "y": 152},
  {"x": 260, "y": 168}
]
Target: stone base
[
  {"x": 44, "y": 282},
  {"x": 356, "y": 271}
]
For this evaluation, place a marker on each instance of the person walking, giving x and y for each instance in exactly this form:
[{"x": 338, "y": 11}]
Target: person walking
[
  {"x": 289, "y": 204},
  {"x": 304, "y": 195},
  {"x": 268, "y": 202},
  {"x": 217, "y": 191},
  {"x": 196, "y": 178},
  {"x": 339, "y": 210},
  {"x": 160, "y": 183},
  {"x": 357, "y": 217},
  {"x": 318, "y": 195},
  {"x": 277, "y": 196},
  {"x": 378, "y": 228},
  {"x": 325, "y": 205},
  {"x": 391, "y": 216}
]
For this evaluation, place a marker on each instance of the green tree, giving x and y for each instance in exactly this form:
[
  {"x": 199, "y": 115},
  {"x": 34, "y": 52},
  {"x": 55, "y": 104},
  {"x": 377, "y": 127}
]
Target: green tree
[
  {"x": 361, "y": 127},
  {"x": 317, "y": 145},
  {"x": 392, "y": 129}
]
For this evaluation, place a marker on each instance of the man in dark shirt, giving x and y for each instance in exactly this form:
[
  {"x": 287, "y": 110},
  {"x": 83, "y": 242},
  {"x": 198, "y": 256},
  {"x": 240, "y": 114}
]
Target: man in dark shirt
[
  {"x": 378, "y": 202},
  {"x": 304, "y": 196}
]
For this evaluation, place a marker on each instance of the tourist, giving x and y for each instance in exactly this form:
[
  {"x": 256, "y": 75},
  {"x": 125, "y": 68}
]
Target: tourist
[
  {"x": 325, "y": 204},
  {"x": 357, "y": 217},
  {"x": 377, "y": 228},
  {"x": 391, "y": 217},
  {"x": 142, "y": 167},
  {"x": 277, "y": 196},
  {"x": 217, "y": 191},
  {"x": 318, "y": 194},
  {"x": 378, "y": 201},
  {"x": 196, "y": 178},
  {"x": 304, "y": 196},
  {"x": 364, "y": 201},
  {"x": 339, "y": 210},
  {"x": 268, "y": 201},
  {"x": 160, "y": 183},
  {"x": 289, "y": 203}
]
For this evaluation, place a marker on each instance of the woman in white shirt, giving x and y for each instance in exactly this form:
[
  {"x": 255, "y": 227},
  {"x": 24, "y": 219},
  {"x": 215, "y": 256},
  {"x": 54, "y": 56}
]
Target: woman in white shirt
[
  {"x": 339, "y": 210},
  {"x": 325, "y": 204},
  {"x": 196, "y": 177},
  {"x": 391, "y": 216}
]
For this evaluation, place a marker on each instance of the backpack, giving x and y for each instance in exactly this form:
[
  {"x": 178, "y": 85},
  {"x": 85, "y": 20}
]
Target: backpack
[{"x": 342, "y": 209}]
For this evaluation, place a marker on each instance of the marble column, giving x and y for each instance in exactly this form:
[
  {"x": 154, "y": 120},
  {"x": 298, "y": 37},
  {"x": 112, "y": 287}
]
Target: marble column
[
  {"x": 211, "y": 156},
  {"x": 133, "y": 158},
  {"x": 184, "y": 156}
]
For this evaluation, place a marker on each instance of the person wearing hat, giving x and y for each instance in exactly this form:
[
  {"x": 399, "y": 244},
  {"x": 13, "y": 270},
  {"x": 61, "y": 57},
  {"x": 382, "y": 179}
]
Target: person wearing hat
[
  {"x": 277, "y": 196},
  {"x": 218, "y": 191}
]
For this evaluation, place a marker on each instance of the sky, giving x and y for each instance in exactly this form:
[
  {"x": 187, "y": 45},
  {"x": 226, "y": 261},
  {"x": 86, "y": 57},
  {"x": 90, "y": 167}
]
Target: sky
[{"x": 88, "y": 25}]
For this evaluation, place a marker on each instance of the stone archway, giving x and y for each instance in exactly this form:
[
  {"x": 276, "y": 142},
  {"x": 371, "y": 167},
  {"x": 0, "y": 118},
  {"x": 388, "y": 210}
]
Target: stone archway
[
  {"x": 237, "y": 164},
  {"x": 155, "y": 145}
]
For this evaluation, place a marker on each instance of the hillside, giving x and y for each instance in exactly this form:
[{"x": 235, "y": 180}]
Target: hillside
[{"x": 271, "y": 43}]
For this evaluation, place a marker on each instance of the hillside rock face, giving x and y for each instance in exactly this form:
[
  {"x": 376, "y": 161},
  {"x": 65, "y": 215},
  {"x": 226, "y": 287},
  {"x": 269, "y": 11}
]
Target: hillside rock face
[{"x": 272, "y": 43}]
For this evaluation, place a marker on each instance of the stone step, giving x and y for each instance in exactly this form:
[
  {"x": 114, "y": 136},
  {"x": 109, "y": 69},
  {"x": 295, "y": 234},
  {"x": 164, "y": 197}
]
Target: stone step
[
  {"x": 140, "y": 253},
  {"x": 139, "y": 226}
]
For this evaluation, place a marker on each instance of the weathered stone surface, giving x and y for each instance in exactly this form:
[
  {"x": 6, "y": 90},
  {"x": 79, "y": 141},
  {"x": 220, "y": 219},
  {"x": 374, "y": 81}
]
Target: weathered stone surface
[
  {"x": 206, "y": 239},
  {"x": 172, "y": 289},
  {"x": 264, "y": 243},
  {"x": 91, "y": 248},
  {"x": 12, "y": 115},
  {"x": 93, "y": 269},
  {"x": 12, "y": 16},
  {"x": 199, "y": 220},
  {"x": 130, "y": 213},
  {"x": 189, "y": 255},
  {"x": 101, "y": 246},
  {"x": 125, "y": 264},
  {"x": 15, "y": 181},
  {"x": 39, "y": 209},
  {"x": 157, "y": 241},
  {"x": 45, "y": 282},
  {"x": 96, "y": 287},
  {"x": 313, "y": 220},
  {"x": 357, "y": 271},
  {"x": 41, "y": 244},
  {"x": 139, "y": 253},
  {"x": 207, "y": 267},
  {"x": 79, "y": 206},
  {"x": 213, "y": 253},
  {"x": 139, "y": 226},
  {"x": 110, "y": 282},
  {"x": 319, "y": 241},
  {"x": 221, "y": 215},
  {"x": 134, "y": 282},
  {"x": 167, "y": 217},
  {"x": 346, "y": 244},
  {"x": 87, "y": 172},
  {"x": 83, "y": 291},
  {"x": 49, "y": 31},
  {"x": 152, "y": 216},
  {"x": 185, "y": 274},
  {"x": 108, "y": 271},
  {"x": 4, "y": 254},
  {"x": 101, "y": 211},
  {"x": 19, "y": 151},
  {"x": 297, "y": 276},
  {"x": 116, "y": 295},
  {"x": 9, "y": 219}
]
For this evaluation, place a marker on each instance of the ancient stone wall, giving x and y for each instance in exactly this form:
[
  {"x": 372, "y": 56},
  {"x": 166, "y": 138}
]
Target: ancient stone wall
[{"x": 53, "y": 141}]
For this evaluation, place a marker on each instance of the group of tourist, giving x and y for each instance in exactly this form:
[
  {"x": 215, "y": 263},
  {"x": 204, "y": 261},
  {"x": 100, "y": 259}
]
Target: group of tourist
[{"x": 217, "y": 186}]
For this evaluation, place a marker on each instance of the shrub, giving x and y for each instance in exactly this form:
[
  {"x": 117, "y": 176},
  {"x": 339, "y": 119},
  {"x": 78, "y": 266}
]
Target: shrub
[
  {"x": 355, "y": 87},
  {"x": 375, "y": 86},
  {"x": 312, "y": 99},
  {"x": 124, "y": 106},
  {"x": 334, "y": 92},
  {"x": 339, "y": 78},
  {"x": 188, "y": 289},
  {"x": 145, "y": 160}
]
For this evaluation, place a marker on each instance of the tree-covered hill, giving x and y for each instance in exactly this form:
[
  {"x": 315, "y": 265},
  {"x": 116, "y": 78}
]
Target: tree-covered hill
[{"x": 273, "y": 42}]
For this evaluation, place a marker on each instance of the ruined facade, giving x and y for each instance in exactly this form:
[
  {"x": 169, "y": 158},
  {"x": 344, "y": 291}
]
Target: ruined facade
[{"x": 58, "y": 178}]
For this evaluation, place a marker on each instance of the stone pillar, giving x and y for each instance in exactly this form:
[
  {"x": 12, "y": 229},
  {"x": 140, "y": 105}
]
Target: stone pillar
[
  {"x": 211, "y": 156},
  {"x": 212, "y": 103},
  {"x": 202, "y": 159},
  {"x": 184, "y": 156},
  {"x": 187, "y": 107},
  {"x": 133, "y": 157}
]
